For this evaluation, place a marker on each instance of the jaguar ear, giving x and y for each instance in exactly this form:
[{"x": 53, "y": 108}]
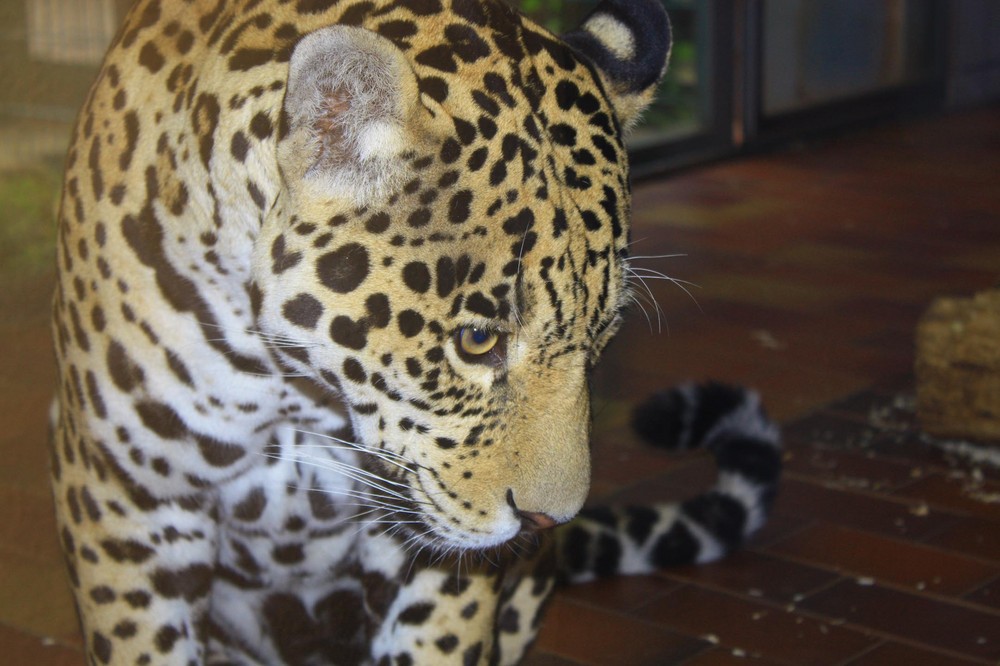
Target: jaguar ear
[
  {"x": 629, "y": 42},
  {"x": 350, "y": 106}
]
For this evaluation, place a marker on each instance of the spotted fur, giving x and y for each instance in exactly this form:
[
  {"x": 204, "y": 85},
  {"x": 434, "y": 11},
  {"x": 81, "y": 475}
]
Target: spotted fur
[{"x": 281, "y": 220}]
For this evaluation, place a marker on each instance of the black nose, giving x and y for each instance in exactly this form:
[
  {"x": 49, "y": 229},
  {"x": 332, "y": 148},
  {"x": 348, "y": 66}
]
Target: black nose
[{"x": 531, "y": 521}]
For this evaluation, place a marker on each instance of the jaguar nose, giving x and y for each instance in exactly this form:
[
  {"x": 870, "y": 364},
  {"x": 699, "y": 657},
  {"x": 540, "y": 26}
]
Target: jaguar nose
[{"x": 531, "y": 521}]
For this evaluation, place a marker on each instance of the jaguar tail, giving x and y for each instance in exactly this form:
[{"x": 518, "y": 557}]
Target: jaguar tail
[{"x": 732, "y": 425}]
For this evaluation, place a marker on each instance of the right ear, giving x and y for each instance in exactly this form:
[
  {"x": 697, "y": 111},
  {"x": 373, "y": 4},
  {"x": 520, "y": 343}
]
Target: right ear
[{"x": 350, "y": 106}]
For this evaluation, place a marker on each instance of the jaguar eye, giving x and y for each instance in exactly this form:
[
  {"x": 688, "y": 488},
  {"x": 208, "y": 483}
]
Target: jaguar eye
[{"x": 476, "y": 341}]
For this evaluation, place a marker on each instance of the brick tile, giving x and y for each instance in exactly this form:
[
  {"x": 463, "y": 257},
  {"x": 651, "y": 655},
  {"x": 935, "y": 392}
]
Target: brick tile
[
  {"x": 894, "y": 654},
  {"x": 758, "y": 575},
  {"x": 726, "y": 657},
  {"x": 971, "y": 535},
  {"x": 537, "y": 657},
  {"x": 591, "y": 635},
  {"x": 619, "y": 593},
  {"x": 987, "y": 595},
  {"x": 849, "y": 469},
  {"x": 756, "y": 628},
  {"x": 827, "y": 429},
  {"x": 22, "y": 648},
  {"x": 957, "y": 494},
  {"x": 801, "y": 498},
  {"x": 776, "y": 528},
  {"x": 864, "y": 554},
  {"x": 917, "y": 619}
]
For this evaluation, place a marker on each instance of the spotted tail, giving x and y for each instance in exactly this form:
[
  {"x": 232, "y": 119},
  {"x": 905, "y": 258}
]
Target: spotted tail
[{"x": 730, "y": 423}]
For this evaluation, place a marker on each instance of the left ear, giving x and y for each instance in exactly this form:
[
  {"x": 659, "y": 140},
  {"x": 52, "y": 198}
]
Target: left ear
[
  {"x": 353, "y": 113},
  {"x": 629, "y": 42}
]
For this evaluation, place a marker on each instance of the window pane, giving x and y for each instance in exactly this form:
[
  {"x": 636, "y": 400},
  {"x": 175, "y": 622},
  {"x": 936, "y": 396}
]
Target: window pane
[{"x": 818, "y": 51}]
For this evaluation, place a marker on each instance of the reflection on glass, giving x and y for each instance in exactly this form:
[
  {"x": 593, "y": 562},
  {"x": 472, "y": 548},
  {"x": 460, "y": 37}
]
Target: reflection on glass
[{"x": 817, "y": 51}]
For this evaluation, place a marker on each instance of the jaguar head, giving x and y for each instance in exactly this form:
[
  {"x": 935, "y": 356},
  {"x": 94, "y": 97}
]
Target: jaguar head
[{"x": 449, "y": 245}]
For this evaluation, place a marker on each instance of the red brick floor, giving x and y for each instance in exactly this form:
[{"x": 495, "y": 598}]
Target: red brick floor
[{"x": 812, "y": 267}]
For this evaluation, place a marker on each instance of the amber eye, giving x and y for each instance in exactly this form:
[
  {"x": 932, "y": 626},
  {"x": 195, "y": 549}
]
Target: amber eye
[{"x": 474, "y": 341}]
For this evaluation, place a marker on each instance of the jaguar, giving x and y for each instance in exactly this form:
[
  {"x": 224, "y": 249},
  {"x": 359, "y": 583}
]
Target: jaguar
[{"x": 332, "y": 279}]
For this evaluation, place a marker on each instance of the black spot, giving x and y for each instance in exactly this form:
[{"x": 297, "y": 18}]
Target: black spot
[
  {"x": 354, "y": 371},
  {"x": 317, "y": 6},
  {"x": 417, "y": 277},
  {"x": 379, "y": 313},
  {"x": 165, "y": 638},
  {"x": 218, "y": 453},
  {"x": 454, "y": 586},
  {"x": 640, "y": 523},
  {"x": 419, "y": 218},
  {"x": 609, "y": 552},
  {"x": 349, "y": 333},
  {"x": 450, "y": 151},
  {"x": 439, "y": 57},
  {"x": 251, "y": 507},
  {"x": 481, "y": 305},
  {"x": 246, "y": 59},
  {"x": 344, "y": 269},
  {"x": 471, "y": 10},
  {"x": 435, "y": 87},
  {"x": 101, "y": 647},
  {"x": 487, "y": 127},
  {"x": 125, "y": 629},
  {"x": 566, "y": 95},
  {"x": 161, "y": 419},
  {"x": 378, "y": 223},
  {"x": 674, "y": 548},
  {"x": 477, "y": 159},
  {"x": 471, "y": 655},
  {"x": 520, "y": 223},
  {"x": 447, "y": 643},
  {"x": 150, "y": 57},
  {"x": 191, "y": 583},
  {"x": 94, "y": 393},
  {"x": 721, "y": 515},
  {"x": 281, "y": 261},
  {"x": 416, "y": 613},
  {"x": 137, "y": 598},
  {"x": 288, "y": 554},
  {"x": 178, "y": 368},
  {"x": 467, "y": 45},
  {"x": 303, "y": 310},
  {"x": 126, "y": 550},
  {"x": 590, "y": 220},
  {"x": 445, "y": 442},
  {"x": 576, "y": 549},
  {"x": 458, "y": 207},
  {"x": 260, "y": 126},
  {"x": 509, "y": 621},
  {"x": 410, "y": 323},
  {"x": 466, "y": 131},
  {"x": 446, "y": 275}
]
